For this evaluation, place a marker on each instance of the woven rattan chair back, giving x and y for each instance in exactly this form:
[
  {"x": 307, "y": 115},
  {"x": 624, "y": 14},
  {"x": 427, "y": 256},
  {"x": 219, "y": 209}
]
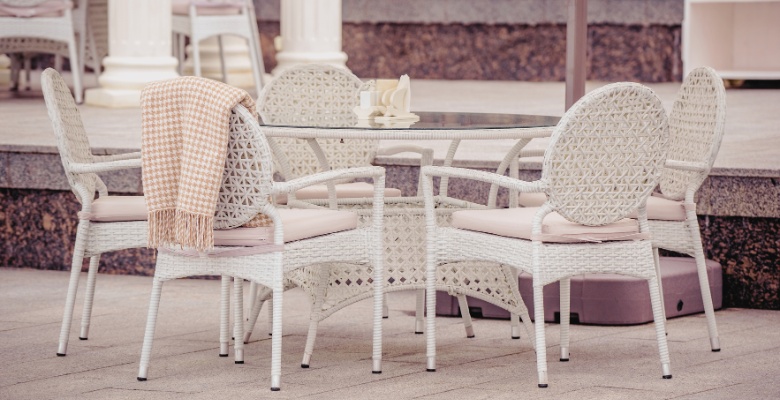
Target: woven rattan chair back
[
  {"x": 606, "y": 153},
  {"x": 696, "y": 125},
  {"x": 72, "y": 140},
  {"x": 316, "y": 95},
  {"x": 247, "y": 181}
]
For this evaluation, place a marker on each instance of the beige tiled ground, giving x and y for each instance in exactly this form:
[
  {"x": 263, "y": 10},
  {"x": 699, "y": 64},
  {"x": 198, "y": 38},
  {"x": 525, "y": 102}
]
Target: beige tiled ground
[{"x": 607, "y": 362}]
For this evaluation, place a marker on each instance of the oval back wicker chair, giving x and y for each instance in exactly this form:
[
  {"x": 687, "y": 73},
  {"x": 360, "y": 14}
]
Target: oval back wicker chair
[
  {"x": 106, "y": 223},
  {"x": 324, "y": 95},
  {"x": 696, "y": 126},
  {"x": 297, "y": 238},
  {"x": 603, "y": 161},
  {"x": 47, "y": 26}
]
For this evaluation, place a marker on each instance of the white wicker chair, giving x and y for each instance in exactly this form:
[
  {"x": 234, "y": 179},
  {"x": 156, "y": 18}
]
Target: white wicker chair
[
  {"x": 603, "y": 161},
  {"x": 246, "y": 189},
  {"x": 696, "y": 126},
  {"x": 324, "y": 95},
  {"x": 44, "y": 26},
  {"x": 106, "y": 223},
  {"x": 201, "y": 19}
]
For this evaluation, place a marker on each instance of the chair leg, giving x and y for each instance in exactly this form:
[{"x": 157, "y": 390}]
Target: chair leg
[
  {"x": 541, "y": 341},
  {"x": 419, "y": 312},
  {"x": 238, "y": 320},
  {"x": 276, "y": 338},
  {"x": 380, "y": 300},
  {"x": 660, "y": 327},
  {"x": 151, "y": 323},
  {"x": 704, "y": 283},
  {"x": 565, "y": 307},
  {"x": 89, "y": 296},
  {"x": 258, "y": 299},
  {"x": 224, "y": 316},
  {"x": 195, "y": 54},
  {"x": 222, "y": 66},
  {"x": 385, "y": 308},
  {"x": 73, "y": 285},
  {"x": 430, "y": 321},
  {"x": 315, "y": 315},
  {"x": 465, "y": 315},
  {"x": 514, "y": 322},
  {"x": 75, "y": 68}
]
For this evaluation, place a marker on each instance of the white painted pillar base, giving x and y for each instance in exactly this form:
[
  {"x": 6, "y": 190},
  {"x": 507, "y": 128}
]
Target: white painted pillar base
[
  {"x": 139, "y": 52},
  {"x": 237, "y": 61},
  {"x": 5, "y": 71},
  {"x": 311, "y": 33}
]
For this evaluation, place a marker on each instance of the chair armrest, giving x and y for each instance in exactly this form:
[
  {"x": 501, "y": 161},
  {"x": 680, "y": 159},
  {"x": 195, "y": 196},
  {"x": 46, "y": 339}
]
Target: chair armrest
[
  {"x": 327, "y": 176},
  {"x": 117, "y": 157},
  {"x": 81, "y": 168},
  {"x": 696, "y": 166},
  {"x": 532, "y": 153},
  {"x": 483, "y": 176}
]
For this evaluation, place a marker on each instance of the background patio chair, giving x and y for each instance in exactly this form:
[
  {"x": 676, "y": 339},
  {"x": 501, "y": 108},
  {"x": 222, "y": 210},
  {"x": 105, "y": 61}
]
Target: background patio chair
[
  {"x": 106, "y": 223},
  {"x": 323, "y": 95},
  {"x": 43, "y": 26},
  {"x": 603, "y": 161},
  {"x": 202, "y": 19},
  {"x": 297, "y": 239}
]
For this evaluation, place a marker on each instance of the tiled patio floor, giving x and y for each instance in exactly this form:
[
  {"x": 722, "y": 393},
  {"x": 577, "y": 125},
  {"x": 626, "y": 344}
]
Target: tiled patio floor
[{"x": 607, "y": 362}]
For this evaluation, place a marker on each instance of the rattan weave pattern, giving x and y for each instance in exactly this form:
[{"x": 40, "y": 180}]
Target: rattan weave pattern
[
  {"x": 81, "y": 168},
  {"x": 624, "y": 119},
  {"x": 323, "y": 94},
  {"x": 696, "y": 126}
]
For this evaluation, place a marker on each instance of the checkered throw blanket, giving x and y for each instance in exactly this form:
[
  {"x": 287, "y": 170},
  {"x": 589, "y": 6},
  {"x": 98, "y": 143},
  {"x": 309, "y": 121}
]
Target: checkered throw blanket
[{"x": 185, "y": 123}]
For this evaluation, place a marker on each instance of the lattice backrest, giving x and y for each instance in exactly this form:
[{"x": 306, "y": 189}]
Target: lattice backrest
[
  {"x": 319, "y": 95},
  {"x": 247, "y": 181},
  {"x": 696, "y": 125},
  {"x": 72, "y": 140},
  {"x": 606, "y": 153}
]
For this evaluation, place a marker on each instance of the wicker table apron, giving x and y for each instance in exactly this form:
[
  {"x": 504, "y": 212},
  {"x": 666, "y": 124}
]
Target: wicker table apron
[{"x": 404, "y": 224}]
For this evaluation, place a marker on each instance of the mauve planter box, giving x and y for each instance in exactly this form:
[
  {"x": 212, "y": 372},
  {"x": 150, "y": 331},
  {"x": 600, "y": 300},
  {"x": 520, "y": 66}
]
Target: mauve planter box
[{"x": 608, "y": 299}]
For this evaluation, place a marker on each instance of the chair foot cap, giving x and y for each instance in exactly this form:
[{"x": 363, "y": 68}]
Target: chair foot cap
[
  {"x": 141, "y": 379},
  {"x": 564, "y": 360},
  {"x": 223, "y": 355},
  {"x": 667, "y": 377},
  {"x": 275, "y": 389},
  {"x": 542, "y": 385},
  {"x": 304, "y": 365},
  {"x": 239, "y": 362},
  {"x": 716, "y": 350},
  {"x": 83, "y": 338},
  {"x": 385, "y": 317},
  {"x": 471, "y": 337},
  {"x": 376, "y": 372},
  {"x": 430, "y": 369},
  {"x": 515, "y": 337},
  {"x": 61, "y": 354},
  {"x": 418, "y": 333}
]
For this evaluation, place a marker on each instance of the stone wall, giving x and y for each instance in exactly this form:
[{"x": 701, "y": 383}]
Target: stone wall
[
  {"x": 38, "y": 226},
  {"x": 636, "y": 40}
]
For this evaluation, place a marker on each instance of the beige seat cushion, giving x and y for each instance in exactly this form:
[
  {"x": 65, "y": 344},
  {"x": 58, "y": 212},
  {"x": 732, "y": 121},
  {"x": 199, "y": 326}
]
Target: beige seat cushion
[
  {"x": 658, "y": 208},
  {"x": 343, "y": 191},
  {"x": 52, "y": 8},
  {"x": 182, "y": 7},
  {"x": 298, "y": 224},
  {"x": 516, "y": 222},
  {"x": 119, "y": 208}
]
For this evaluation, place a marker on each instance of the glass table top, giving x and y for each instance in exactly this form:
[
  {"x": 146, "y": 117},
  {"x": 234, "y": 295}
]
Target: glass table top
[{"x": 428, "y": 121}]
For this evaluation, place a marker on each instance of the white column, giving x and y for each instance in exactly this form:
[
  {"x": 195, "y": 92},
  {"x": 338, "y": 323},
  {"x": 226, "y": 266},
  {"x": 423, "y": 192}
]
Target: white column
[
  {"x": 311, "y": 33},
  {"x": 5, "y": 71},
  {"x": 139, "y": 52},
  {"x": 238, "y": 64}
]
